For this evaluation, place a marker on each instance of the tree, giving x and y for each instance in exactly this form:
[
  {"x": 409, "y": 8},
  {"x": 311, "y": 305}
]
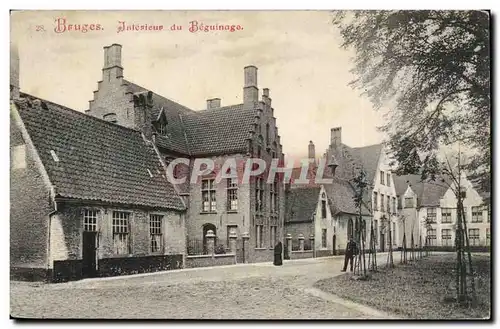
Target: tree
[
  {"x": 432, "y": 68},
  {"x": 360, "y": 185}
]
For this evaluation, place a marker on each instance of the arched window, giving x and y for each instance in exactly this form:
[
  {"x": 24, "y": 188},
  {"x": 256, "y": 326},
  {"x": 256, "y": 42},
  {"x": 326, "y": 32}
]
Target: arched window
[{"x": 350, "y": 229}]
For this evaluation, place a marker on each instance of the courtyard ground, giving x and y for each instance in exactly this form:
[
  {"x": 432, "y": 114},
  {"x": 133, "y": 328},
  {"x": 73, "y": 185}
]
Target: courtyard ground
[
  {"x": 247, "y": 291},
  {"x": 418, "y": 290}
]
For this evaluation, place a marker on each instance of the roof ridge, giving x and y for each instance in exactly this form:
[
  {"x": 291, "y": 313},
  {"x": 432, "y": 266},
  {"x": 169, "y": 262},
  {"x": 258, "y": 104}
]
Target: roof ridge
[
  {"x": 68, "y": 109},
  {"x": 174, "y": 101}
]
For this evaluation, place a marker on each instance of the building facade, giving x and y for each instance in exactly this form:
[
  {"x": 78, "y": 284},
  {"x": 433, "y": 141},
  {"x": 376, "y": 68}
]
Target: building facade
[
  {"x": 435, "y": 206},
  {"x": 380, "y": 194}
]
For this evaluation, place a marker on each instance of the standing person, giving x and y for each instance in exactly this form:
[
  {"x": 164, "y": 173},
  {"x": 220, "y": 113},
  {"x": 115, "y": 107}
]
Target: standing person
[
  {"x": 278, "y": 251},
  {"x": 350, "y": 252}
]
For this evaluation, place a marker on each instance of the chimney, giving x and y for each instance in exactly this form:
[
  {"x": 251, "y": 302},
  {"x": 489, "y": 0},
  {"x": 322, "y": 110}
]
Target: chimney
[
  {"x": 112, "y": 62},
  {"x": 213, "y": 103},
  {"x": 143, "y": 105},
  {"x": 250, "y": 90},
  {"x": 311, "y": 151},
  {"x": 14, "y": 71},
  {"x": 336, "y": 136}
]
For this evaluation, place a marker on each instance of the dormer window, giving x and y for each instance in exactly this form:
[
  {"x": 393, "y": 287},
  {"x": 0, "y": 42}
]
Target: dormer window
[
  {"x": 161, "y": 123},
  {"x": 110, "y": 117},
  {"x": 162, "y": 129}
]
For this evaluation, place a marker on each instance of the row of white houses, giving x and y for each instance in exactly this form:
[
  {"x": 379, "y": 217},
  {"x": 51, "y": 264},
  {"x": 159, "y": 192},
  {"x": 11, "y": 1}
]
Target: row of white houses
[{"x": 398, "y": 207}]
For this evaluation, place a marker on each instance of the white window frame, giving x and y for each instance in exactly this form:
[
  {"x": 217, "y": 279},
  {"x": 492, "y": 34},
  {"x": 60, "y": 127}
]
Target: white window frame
[
  {"x": 121, "y": 232},
  {"x": 446, "y": 213},
  {"x": 156, "y": 232},
  {"x": 208, "y": 203},
  {"x": 232, "y": 194},
  {"x": 89, "y": 221}
]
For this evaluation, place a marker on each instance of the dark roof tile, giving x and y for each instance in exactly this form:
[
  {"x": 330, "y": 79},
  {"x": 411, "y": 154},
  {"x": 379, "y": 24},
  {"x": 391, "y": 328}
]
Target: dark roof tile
[{"x": 98, "y": 160}]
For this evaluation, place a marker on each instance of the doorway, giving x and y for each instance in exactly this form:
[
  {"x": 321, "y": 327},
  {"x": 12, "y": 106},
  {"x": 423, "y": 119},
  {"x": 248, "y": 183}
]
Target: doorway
[
  {"x": 89, "y": 254},
  {"x": 334, "y": 241},
  {"x": 382, "y": 242}
]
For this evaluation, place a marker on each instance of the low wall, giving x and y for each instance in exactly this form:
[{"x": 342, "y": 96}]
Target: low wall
[
  {"x": 69, "y": 270},
  {"x": 29, "y": 274},
  {"x": 302, "y": 254},
  {"x": 324, "y": 253},
  {"x": 208, "y": 260}
]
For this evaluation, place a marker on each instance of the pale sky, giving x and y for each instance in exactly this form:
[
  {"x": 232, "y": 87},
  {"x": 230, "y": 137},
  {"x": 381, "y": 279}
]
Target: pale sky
[{"x": 298, "y": 56}]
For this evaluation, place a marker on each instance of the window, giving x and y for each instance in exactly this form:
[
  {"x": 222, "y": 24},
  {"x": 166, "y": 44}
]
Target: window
[
  {"x": 258, "y": 236},
  {"x": 382, "y": 176},
  {"x": 431, "y": 235},
  {"x": 375, "y": 230},
  {"x": 431, "y": 215},
  {"x": 409, "y": 203},
  {"x": 90, "y": 220},
  {"x": 259, "y": 194},
  {"x": 323, "y": 238},
  {"x": 259, "y": 152},
  {"x": 382, "y": 203},
  {"x": 121, "y": 232},
  {"x": 446, "y": 237},
  {"x": 231, "y": 229},
  {"x": 463, "y": 192},
  {"x": 446, "y": 215},
  {"x": 350, "y": 228},
  {"x": 323, "y": 208},
  {"x": 388, "y": 204},
  {"x": 474, "y": 236},
  {"x": 110, "y": 117},
  {"x": 375, "y": 201},
  {"x": 267, "y": 135},
  {"x": 388, "y": 179},
  {"x": 393, "y": 233},
  {"x": 162, "y": 128},
  {"x": 273, "y": 235},
  {"x": 232, "y": 194},
  {"x": 477, "y": 214},
  {"x": 155, "y": 231},
  {"x": 208, "y": 195},
  {"x": 487, "y": 236},
  {"x": 274, "y": 196},
  {"x": 394, "y": 205},
  {"x": 19, "y": 157}
]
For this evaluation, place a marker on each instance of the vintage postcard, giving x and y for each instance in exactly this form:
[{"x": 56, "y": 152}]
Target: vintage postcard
[{"x": 250, "y": 165}]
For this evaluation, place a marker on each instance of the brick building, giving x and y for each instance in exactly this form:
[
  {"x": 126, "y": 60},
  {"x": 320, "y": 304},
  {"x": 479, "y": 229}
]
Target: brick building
[
  {"x": 88, "y": 198},
  {"x": 109, "y": 166}
]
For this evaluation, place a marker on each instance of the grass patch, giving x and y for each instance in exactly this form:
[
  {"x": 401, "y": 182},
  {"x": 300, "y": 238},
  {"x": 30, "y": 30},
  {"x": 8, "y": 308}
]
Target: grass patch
[{"x": 418, "y": 290}]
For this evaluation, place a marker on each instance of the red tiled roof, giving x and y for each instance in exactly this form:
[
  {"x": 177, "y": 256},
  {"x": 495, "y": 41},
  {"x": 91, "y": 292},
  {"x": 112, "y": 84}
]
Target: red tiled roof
[{"x": 98, "y": 160}]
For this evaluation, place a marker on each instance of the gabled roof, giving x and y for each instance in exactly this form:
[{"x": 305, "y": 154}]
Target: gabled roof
[
  {"x": 175, "y": 139},
  {"x": 98, "y": 160},
  {"x": 219, "y": 131},
  {"x": 401, "y": 184},
  {"x": 341, "y": 196},
  {"x": 368, "y": 157},
  {"x": 301, "y": 203},
  {"x": 216, "y": 131}
]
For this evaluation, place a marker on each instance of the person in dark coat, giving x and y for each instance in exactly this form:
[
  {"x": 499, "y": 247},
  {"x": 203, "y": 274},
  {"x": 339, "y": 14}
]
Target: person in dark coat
[
  {"x": 278, "y": 251},
  {"x": 350, "y": 252}
]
